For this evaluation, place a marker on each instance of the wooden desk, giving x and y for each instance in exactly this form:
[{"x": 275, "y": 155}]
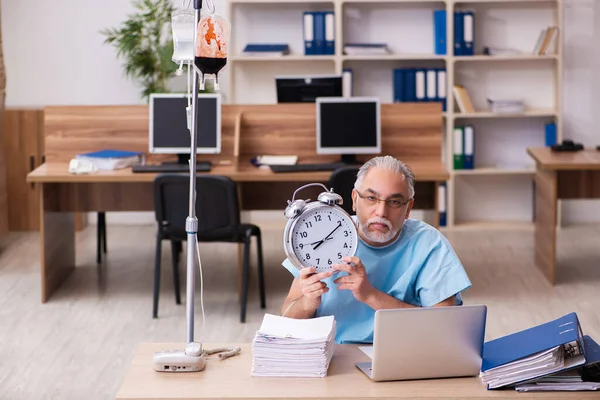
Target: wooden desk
[
  {"x": 230, "y": 379},
  {"x": 62, "y": 194},
  {"x": 559, "y": 176}
]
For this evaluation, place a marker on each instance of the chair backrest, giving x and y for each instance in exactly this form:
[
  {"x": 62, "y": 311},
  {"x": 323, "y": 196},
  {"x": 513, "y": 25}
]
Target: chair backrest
[
  {"x": 342, "y": 181},
  {"x": 216, "y": 202}
]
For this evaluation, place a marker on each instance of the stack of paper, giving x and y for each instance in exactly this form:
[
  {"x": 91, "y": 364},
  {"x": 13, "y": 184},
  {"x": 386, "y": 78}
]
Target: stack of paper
[
  {"x": 506, "y": 106},
  {"x": 108, "y": 160},
  {"x": 289, "y": 347},
  {"x": 543, "y": 363}
]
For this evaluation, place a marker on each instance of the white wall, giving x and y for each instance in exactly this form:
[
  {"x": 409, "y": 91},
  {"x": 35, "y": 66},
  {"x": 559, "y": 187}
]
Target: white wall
[
  {"x": 581, "y": 92},
  {"x": 55, "y": 54}
]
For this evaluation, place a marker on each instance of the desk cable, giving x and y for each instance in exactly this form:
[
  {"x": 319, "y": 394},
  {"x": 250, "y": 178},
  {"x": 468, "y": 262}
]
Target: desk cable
[
  {"x": 222, "y": 352},
  {"x": 290, "y": 306}
]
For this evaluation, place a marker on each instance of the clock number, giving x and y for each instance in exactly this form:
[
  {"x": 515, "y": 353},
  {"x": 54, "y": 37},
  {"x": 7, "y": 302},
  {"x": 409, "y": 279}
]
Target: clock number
[
  {"x": 301, "y": 246},
  {"x": 339, "y": 256},
  {"x": 303, "y": 234},
  {"x": 308, "y": 256},
  {"x": 317, "y": 218},
  {"x": 318, "y": 259},
  {"x": 329, "y": 262},
  {"x": 329, "y": 216},
  {"x": 345, "y": 245},
  {"x": 308, "y": 225},
  {"x": 346, "y": 233}
]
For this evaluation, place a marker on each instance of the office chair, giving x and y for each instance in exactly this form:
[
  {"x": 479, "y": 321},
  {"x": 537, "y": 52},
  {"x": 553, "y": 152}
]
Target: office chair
[
  {"x": 342, "y": 181},
  {"x": 218, "y": 213},
  {"x": 100, "y": 236}
]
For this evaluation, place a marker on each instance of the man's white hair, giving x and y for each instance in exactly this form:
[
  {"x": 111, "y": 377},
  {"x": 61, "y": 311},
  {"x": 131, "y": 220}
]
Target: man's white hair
[{"x": 389, "y": 163}]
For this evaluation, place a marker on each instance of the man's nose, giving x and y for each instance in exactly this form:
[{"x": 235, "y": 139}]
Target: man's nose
[{"x": 380, "y": 209}]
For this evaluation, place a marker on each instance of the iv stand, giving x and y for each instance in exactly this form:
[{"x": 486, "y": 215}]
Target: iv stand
[{"x": 191, "y": 223}]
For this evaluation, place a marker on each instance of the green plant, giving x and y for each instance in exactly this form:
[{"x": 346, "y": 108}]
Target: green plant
[{"x": 145, "y": 41}]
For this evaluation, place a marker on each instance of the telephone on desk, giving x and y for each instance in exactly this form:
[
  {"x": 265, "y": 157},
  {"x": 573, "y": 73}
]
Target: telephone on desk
[{"x": 567, "y": 146}]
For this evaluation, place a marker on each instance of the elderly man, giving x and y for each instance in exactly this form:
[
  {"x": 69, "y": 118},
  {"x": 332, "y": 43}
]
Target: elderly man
[{"x": 399, "y": 262}]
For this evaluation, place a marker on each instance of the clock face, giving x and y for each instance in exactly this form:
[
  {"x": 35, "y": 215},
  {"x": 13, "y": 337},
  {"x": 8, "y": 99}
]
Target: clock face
[{"x": 322, "y": 236}]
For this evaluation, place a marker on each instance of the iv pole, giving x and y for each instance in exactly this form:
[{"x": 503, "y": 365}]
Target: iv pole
[{"x": 191, "y": 223}]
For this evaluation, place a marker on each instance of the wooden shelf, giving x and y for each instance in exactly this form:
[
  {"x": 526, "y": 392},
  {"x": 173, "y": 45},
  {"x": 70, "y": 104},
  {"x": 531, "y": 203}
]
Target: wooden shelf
[
  {"x": 517, "y": 57},
  {"x": 494, "y": 171},
  {"x": 491, "y": 225},
  {"x": 392, "y": 57},
  {"x": 292, "y": 57},
  {"x": 501, "y": 1},
  {"x": 487, "y": 114},
  {"x": 280, "y": 1}
]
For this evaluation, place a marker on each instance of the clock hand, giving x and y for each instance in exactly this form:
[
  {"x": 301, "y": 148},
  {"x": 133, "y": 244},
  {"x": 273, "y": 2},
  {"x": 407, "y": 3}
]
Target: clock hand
[
  {"x": 318, "y": 241},
  {"x": 328, "y": 236}
]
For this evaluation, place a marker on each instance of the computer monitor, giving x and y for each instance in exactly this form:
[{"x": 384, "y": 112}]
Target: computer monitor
[
  {"x": 168, "y": 128},
  {"x": 348, "y": 126},
  {"x": 305, "y": 89}
]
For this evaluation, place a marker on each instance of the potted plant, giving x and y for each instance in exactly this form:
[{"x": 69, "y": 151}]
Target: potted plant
[{"x": 145, "y": 42}]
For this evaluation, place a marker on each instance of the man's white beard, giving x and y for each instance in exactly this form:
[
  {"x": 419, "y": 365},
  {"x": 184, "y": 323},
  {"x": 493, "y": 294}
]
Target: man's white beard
[{"x": 378, "y": 236}]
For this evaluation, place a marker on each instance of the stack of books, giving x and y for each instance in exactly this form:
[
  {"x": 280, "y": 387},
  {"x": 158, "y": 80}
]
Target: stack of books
[
  {"x": 108, "y": 160},
  {"x": 551, "y": 356},
  {"x": 507, "y": 106},
  {"x": 288, "y": 347}
]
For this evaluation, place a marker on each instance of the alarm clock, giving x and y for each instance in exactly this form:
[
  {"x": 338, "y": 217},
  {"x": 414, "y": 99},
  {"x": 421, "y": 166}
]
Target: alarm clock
[{"x": 318, "y": 233}]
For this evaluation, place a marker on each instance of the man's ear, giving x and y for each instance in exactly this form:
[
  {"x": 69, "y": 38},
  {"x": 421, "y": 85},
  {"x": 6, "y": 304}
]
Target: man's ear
[
  {"x": 354, "y": 196},
  {"x": 411, "y": 203}
]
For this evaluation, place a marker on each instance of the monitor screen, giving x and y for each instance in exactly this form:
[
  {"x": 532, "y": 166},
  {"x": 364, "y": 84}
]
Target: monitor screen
[
  {"x": 349, "y": 125},
  {"x": 169, "y": 133},
  {"x": 305, "y": 89}
]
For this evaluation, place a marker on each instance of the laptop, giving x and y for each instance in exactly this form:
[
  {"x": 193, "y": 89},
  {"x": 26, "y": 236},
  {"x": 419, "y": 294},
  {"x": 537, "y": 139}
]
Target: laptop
[{"x": 423, "y": 343}]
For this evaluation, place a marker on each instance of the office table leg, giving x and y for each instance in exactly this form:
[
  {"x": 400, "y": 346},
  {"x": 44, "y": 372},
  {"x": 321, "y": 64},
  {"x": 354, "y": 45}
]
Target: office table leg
[
  {"x": 57, "y": 238},
  {"x": 545, "y": 222}
]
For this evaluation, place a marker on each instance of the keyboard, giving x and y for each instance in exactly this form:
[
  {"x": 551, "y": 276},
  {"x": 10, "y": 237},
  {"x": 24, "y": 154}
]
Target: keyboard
[
  {"x": 204, "y": 166},
  {"x": 306, "y": 167}
]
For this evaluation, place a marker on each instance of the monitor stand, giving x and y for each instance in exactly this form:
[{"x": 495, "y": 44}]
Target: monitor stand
[
  {"x": 184, "y": 158},
  {"x": 349, "y": 159}
]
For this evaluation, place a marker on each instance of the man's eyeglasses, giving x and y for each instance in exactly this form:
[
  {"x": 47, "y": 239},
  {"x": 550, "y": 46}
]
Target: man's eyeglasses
[{"x": 372, "y": 201}]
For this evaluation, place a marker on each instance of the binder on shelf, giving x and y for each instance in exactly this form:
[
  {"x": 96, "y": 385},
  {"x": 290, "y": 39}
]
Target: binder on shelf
[
  {"x": 463, "y": 100},
  {"x": 459, "y": 152},
  {"x": 266, "y": 49},
  {"x": 319, "y": 32},
  {"x": 441, "y": 87},
  {"x": 539, "y": 351},
  {"x": 469, "y": 147},
  {"x": 439, "y": 35},
  {"x": 420, "y": 85},
  {"x": 468, "y": 18},
  {"x": 550, "y": 134},
  {"x": 399, "y": 85},
  {"x": 459, "y": 32},
  {"x": 329, "y": 33},
  {"x": 347, "y": 83},
  {"x": 442, "y": 203},
  {"x": 410, "y": 85},
  {"x": 309, "y": 33},
  {"x": 431, "y": 85}
]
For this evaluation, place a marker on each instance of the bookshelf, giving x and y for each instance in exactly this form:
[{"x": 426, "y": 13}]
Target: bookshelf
[{"x": 498, "y": 192}]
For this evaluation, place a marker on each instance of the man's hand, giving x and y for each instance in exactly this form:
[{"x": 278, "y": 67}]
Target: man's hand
[
  {"x": 356, "y": 281},
  {"x": 312, "y": 287}
]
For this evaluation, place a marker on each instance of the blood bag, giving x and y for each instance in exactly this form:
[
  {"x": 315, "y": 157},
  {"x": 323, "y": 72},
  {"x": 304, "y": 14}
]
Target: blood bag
[{"x": 212, "y": 46}]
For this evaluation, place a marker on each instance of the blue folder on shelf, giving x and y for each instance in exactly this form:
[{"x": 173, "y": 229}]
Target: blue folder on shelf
[{"x": 518, "y": 357}]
